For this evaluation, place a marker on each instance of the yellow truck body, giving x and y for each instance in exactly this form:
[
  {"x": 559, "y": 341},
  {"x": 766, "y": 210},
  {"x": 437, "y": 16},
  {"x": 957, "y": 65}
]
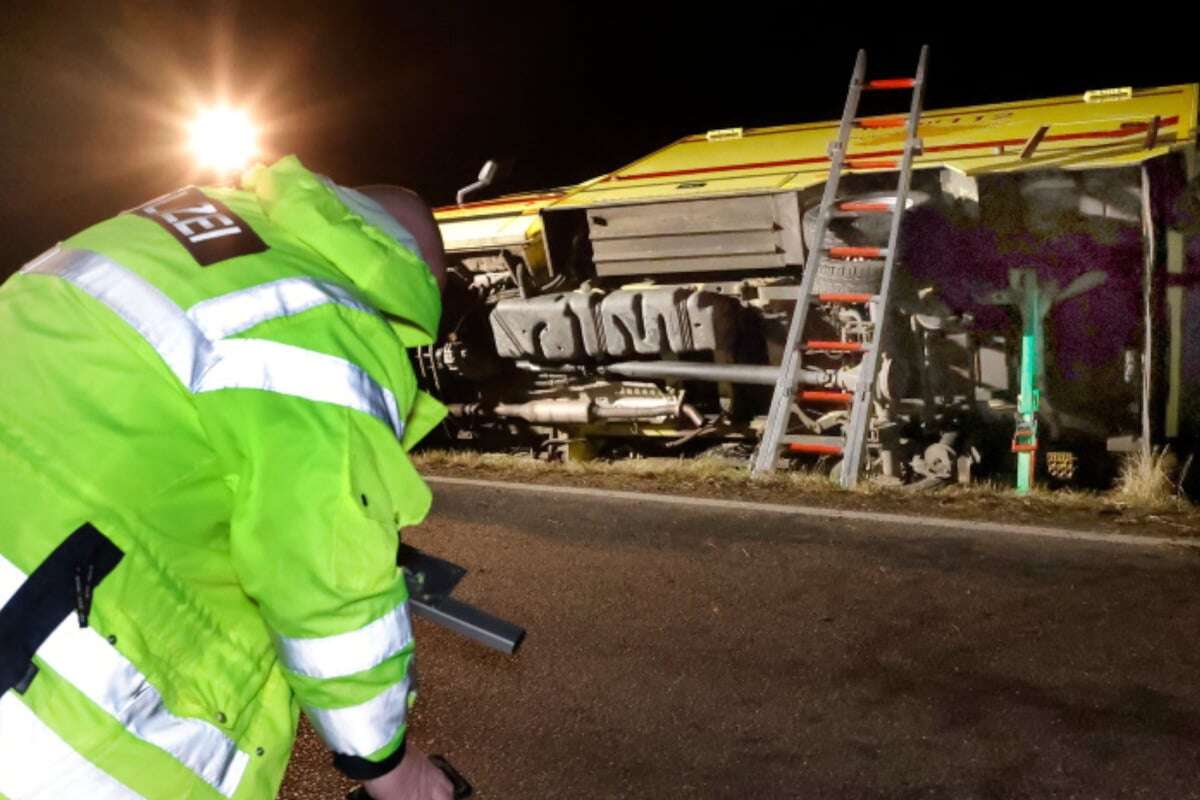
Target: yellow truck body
[{"x": 1093, "y": 130}]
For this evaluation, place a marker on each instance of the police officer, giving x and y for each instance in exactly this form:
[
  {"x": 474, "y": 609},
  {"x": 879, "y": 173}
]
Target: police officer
[{"x": 204, "y": 419}]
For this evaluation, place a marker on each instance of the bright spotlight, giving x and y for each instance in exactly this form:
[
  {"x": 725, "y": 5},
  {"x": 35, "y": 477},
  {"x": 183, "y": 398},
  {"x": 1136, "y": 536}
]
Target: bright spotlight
[{"x": 223, "y": 139}]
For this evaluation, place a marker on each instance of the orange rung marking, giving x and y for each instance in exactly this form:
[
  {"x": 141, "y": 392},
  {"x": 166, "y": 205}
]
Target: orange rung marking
[
  {"x": 825, "y": 397},
  {"x": 863, "y": 205},
  {"x": 888, "y": 164},
  {"x": 821, "y": 449},
  {"x": 882, "y": 122},
  {"x": 843, "y": 297},
  {"x": 845, "y": 347},
  {"x": 892, "y": 83},
  {"x": 856, "y": 252}
]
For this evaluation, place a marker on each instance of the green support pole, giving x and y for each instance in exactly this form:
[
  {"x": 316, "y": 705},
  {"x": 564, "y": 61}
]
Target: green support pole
[
  {"x": 1034, "y": 301},
  {"x": 1025, "y": 439}
]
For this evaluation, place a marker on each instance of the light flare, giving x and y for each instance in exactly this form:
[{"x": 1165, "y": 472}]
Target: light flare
[{"x": 223, "y": 139}]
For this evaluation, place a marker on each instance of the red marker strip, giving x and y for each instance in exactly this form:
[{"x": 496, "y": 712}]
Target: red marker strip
[
  {"x": 892, "y": 83},
  {"x": 825, "y": 397},
  {"x": 881, "y": 122},
  {"x": 820, "y": 449},
  {"x": 856, "y": 252},
  {"x": 864, "y": 206},
  {"x": 844, "y": 347},
  {"x": 843, "y": 297},
  {"x": 888, "y": 164}
]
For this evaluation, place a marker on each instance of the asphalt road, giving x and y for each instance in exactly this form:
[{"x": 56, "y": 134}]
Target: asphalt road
[{"x": 683, "y": 653}]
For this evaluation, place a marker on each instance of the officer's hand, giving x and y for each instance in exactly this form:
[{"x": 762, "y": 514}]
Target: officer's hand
[{"x": 414, "y": 778}]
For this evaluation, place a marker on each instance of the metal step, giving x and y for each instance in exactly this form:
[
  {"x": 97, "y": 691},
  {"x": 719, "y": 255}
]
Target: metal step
[
  {"x": 818, "y": 445},
  {"x": 845, "y": 297},
  {"x": 872, "y": 123},
  {"x": 858, "y": 252},
  {"x": 783, "y": 294},
  {"x": 852, "y": 208},
  {"x": 819, "y": 396},
  {"x": 818, "y": 345},
  {"x": 871, "y": 163},
  {"x": 890, "y": 83}
]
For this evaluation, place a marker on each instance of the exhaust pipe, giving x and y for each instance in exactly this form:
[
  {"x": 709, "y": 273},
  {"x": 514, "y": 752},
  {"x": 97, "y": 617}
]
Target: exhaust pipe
[{"x": 581, "y": 411}]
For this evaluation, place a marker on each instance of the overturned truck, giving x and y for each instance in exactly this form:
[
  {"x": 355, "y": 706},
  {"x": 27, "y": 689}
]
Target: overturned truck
[{"x": 646, "y": 310}]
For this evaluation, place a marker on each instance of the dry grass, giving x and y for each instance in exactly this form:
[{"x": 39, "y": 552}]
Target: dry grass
[
  {"x": 686, "y": 472},
  {"x": 1127, "y": 510},
  {"x": 1146, "y": 480}
]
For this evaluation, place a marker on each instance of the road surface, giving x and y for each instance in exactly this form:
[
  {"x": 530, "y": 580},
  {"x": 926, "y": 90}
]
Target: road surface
[{"x": 696, "y": 653}]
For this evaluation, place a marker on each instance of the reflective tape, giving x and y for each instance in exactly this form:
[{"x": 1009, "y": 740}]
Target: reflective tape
[
  {"x": 285, "y": 369},
  {"x": 88, "y": 662},
  {"x": 139, "y": 303},
  {"x": 34, "y": 264},
  {"x": 36, "y": 764},
  {"x": 204, "y": 362},
  {"x": 232, "y": 313},
  {"x": 348, "y": 653},
  {"x": 366, "y": 728}
]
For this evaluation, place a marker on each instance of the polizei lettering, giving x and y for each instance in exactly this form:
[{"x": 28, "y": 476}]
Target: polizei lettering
[{"x": 206, "y": 227}]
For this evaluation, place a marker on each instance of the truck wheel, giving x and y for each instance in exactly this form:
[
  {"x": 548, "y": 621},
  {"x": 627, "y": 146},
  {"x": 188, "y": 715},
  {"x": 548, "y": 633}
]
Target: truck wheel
[
  {"x": 850, "y": 277},
  {"x": 862, "y": 230}
]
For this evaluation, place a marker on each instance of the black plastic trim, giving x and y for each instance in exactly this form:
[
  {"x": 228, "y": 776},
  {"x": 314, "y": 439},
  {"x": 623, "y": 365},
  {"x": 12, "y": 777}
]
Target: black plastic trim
[
  {"x": 49, "y": 595},
  {"x": 360, "y": 769}
]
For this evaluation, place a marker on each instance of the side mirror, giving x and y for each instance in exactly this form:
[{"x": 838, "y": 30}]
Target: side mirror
[{"x": 486, "y": 176}]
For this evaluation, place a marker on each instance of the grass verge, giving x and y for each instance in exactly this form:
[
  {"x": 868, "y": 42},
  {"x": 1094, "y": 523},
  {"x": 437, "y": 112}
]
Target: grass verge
[{"x": 1129, "y": 509}]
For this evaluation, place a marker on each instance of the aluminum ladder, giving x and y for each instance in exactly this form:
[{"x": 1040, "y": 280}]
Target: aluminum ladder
[{"x": 852, "y": 446}]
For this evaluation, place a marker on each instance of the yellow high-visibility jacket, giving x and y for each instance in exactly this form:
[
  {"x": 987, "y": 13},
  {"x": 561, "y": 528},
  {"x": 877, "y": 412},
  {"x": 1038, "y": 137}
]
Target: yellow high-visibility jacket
[{"x": 205, "y": 410}]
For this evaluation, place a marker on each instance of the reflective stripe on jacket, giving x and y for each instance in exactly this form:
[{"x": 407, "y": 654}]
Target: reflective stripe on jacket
[{"x": 237, "y": 425}]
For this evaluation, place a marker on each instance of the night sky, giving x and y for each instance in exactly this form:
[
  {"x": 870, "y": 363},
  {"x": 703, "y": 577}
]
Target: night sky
[{"x": 95, "y": 96}]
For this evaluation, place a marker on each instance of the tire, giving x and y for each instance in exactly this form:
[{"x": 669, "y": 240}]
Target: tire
[
  {"x": 851, "y": 277},
  {"x": 867, "y": 230}
]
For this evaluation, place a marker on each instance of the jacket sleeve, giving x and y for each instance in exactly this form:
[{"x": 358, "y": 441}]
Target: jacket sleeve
[{"x": 319, "y": 493}]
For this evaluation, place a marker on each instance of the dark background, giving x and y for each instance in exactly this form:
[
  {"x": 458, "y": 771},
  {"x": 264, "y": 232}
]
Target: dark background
[{"x": 95, "y": 96}]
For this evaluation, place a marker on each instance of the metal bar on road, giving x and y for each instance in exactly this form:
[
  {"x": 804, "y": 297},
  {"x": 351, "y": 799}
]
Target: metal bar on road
[{"x": 471, "y": 622}]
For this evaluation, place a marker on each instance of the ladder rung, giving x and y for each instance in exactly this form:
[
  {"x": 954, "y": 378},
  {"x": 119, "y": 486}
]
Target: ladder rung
[
  {"x": 891, "y": 83},
  {"x": 879, "y": 164},
  {"x": 823, "y": 445},
  {"x": 866, "y": 206},
  {"x": 844, "y": 297},
  {"x": 858, "y": 252},
  {"x": 815, "y": 396},
  {"x": 838, "y": 346},
  {"x": 871, "y": 123}
]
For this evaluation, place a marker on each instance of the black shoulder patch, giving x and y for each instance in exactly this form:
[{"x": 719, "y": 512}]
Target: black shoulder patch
[{"x": 206, "y": 227}]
